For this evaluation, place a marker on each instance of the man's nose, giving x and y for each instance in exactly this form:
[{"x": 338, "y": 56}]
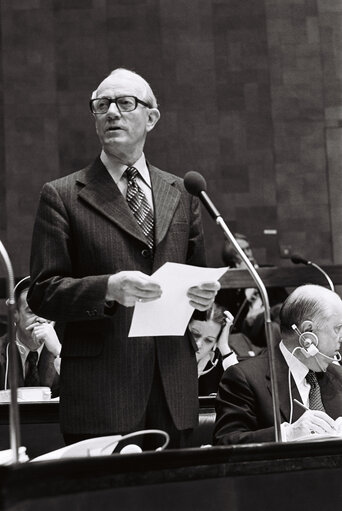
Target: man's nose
[{"x": 113, "y": 110}]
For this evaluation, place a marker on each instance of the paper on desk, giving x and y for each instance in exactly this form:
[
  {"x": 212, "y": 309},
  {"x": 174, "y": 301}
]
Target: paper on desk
[{"x": 170, "y": 314}]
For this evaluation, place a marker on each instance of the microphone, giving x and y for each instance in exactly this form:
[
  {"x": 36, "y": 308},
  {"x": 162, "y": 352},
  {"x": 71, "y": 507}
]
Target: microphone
[
  {"x": 335, "y": 358},
  {"x": 196, "y": 185},
  {"x": 298, "y": 259}
]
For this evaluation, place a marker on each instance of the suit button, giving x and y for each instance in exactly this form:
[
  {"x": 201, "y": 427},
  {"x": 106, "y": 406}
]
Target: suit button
[{"x": 146, "y": 253}]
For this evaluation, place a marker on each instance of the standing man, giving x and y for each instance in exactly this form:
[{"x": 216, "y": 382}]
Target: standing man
[{"x": 99, "y": 235}]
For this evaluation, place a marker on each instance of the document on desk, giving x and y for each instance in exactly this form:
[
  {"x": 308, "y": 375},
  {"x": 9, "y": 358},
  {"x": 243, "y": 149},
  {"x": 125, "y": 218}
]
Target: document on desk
[{"x": 170, "y": 314}]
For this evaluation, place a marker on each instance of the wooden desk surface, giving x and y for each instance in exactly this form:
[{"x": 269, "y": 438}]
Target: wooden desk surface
[
  {"x": 272, "y": 276},
  {"x": 291, "y": 276}
]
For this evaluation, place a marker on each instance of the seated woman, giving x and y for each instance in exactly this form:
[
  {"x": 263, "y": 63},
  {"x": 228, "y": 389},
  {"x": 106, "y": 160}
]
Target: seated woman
[{"x": 216, "y": 348}]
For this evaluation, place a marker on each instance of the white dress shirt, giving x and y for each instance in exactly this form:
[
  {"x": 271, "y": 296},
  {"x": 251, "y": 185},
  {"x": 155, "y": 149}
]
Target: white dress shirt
[
  {"x": 24, "y": 351},
  {"x": 298, "y": 371}
]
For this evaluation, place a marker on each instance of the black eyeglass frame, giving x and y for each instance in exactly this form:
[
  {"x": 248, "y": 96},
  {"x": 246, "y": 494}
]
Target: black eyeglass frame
[{"x": 115, "y": 100}]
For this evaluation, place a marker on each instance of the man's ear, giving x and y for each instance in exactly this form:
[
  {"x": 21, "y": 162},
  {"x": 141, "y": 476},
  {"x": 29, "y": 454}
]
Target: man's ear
[
  {"x": 306, "y": 326},
  {"x": 153, "y": 118}
]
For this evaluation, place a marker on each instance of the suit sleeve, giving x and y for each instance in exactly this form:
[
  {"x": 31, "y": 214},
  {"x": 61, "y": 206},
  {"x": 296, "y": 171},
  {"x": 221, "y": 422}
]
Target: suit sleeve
[
  {"x": 237, "y": 417},
  {"x": 55, "y": 293}
]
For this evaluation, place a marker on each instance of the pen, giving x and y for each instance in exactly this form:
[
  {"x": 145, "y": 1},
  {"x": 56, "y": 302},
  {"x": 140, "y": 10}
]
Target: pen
[{"x": 301, "y": 404}]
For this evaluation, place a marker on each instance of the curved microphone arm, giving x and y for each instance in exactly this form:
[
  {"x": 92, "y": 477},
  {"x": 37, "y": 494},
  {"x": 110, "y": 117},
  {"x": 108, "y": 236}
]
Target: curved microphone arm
[
  {"x": 330, "y": 282},
  {"x": 268, "y": 324},
  {"x": 196, "y": 185},
  {"x": 14, "y": 410}
]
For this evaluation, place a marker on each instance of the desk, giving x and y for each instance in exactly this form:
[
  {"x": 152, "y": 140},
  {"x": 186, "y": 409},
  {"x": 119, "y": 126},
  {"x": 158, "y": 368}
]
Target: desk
[
  {"x": 40, "y": 433},
  {"x": 39, "y": 427},
  {"x": 258, "y": 477}
]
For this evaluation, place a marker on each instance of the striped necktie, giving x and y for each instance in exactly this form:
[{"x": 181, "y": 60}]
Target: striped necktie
[
  {"x": 315, "y": 399},
  {"x": 139, "y": 205}
]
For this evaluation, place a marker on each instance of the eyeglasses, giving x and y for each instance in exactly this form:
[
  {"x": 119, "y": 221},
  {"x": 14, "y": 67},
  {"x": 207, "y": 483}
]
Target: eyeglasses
[{"x": 123, "y": 104}]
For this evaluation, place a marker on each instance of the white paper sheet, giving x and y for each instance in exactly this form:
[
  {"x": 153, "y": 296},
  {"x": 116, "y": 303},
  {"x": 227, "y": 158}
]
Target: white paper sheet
[{"x": 170, "y": 314}]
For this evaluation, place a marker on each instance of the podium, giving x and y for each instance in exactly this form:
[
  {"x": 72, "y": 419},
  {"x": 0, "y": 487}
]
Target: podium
[{"x": 265, "y": 477}]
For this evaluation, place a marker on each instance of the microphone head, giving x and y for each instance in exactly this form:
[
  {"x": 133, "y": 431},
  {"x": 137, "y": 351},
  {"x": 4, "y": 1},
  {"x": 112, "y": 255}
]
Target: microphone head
[
  {"x": 194, "y": 183},
  {"x": 297, "y": 259}
]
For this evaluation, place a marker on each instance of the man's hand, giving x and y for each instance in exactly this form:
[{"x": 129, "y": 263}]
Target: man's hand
[
  {"x": 202, "y": 297},
  {"x": 311, "y": 422},
  {"x": 129, "y": 287},
  {"x": 44, "y": 332}
]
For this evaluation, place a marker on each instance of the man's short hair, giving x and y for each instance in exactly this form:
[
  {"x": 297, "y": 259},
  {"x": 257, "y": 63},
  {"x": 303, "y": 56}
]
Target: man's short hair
[
  {"x": 304, "y": 303},
  {"x": 150, "y": 97}
]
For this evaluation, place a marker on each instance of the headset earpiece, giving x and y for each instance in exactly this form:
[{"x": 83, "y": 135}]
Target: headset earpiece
[
  {"x": 307, "y": 339},
  {"x": 308, "y": 342}
]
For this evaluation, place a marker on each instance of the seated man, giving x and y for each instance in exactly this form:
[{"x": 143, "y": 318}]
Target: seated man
[
  {"x": 216, "y": 348},
  {"x": 38, "y": 347},
  {"x": 246, "y": 304},
  {"x": 311, "y": 328}
]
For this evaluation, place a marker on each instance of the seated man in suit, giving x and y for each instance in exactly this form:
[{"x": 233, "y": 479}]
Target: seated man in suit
[
  {"x": 216, "y": 348},
  {"x": 311, "y": 328},
  {"x": 246, "y": 304},
  {"x": 38, "y": 347}
]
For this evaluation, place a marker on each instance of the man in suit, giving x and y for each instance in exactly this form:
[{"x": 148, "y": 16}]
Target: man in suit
[
  {"x": 92, "y": 260},
  {"x": 246, "y": 304},
  {"x": 311, "y": 328},
  {"x": 38, "y": 347}
]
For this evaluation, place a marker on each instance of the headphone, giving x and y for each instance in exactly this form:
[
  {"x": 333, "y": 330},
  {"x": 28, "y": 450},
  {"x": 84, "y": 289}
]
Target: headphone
[
  {"x": 103, "y": 446},
  {"x": 308, "y": 342},
  {"x": 309, "y": 345}
]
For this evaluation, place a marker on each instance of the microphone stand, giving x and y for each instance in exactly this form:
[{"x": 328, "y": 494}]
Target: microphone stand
[
  {"x": 297, "y": 259},
  {"x": 14, "y": 409},
  {"x": 268, "y": 323},
  {"x": 330, "y": 282}
]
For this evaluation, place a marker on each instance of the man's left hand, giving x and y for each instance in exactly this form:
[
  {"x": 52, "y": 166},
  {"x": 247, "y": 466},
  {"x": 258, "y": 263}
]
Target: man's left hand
[{"x": 202, "y": 297}]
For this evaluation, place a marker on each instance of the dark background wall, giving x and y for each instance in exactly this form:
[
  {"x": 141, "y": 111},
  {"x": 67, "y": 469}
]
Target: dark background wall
[{"x": 249, "y": 92}]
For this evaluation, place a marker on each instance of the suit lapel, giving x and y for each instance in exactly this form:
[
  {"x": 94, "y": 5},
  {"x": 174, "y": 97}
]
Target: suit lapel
[
  {"x": 101, "y": 193},
  {"x": 166, "y": 198},
  {"x": 46, "y": 368},
  {"x": 331, "y": 391},
  {"x": 282, "y": 375}
]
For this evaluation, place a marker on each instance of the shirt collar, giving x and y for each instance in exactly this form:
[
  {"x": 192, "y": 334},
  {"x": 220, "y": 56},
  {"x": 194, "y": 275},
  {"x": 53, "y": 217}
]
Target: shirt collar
[
  {"x": 24, "y": 350},
  {"x": 116, "y": 168},
  {"x": 297, "y": 368}
]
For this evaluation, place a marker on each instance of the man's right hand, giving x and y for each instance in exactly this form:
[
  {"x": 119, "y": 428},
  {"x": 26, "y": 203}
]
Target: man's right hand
[
  {"x": 129, "y": 287},
  {"x": 311, "y": 422}
]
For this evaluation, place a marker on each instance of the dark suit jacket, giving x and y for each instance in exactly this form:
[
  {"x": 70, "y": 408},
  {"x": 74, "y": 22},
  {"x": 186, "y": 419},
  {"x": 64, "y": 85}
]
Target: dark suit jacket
[
  {"x": 47, "y": 372},
  {"x": 84, "y": 232},
  {"x": 244, "y": 400}
]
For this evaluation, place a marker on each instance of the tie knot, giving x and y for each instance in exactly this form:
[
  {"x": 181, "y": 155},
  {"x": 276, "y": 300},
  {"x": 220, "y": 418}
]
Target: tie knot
[
  {"x": 131, "y": 173},
  {"x": 311, "y": 378},
  {"x": 32, "y": 357}
]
